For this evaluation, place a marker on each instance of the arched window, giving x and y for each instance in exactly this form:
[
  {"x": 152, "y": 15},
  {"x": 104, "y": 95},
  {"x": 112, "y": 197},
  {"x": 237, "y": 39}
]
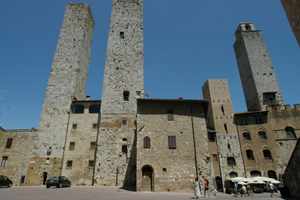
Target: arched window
[
  {"x": 250, "y": 154},
  {"x": 231, "y": 161},
  {"x": 263, "y": 135},
  {"x": 272, "y": 174},
  {"x": 247, "y": 136},
  {"x": 94, "y": 108},
  {"x": 77, "y": 108},
  {"x": 147, "y": 142},
  {"x": 248, "y": 27},
  {"x": 267, "y": 154},
  {"x": 255, "y": 173},
  {"x": 290, "y": 133},
  {"x": 233, "y": 174}
]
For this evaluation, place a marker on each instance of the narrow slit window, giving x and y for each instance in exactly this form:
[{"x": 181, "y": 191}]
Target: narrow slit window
[
  {"x": 122, "y": 35},
  {"x": 126, "y": 95},
  {"x": 172, "y": 142}
]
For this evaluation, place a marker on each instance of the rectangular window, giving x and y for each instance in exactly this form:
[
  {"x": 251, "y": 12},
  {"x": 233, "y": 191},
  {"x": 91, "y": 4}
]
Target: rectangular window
[
  {"x": 4, "y": 161},
  {"x": 72, "y": 146},
  {"x": 170, "y": 115},
  {"x": 69, "y": 164},
  {"x": 172, "y": 142},
  {"x": 93, "y": 146},
  {"x": 22, "y": 181},
  {"x": 91, "y": 164},
  {"x": 126, "y": 95},
  {"x": 124, "y": 149},
  {"x": 74, "y": 126},
  {"x": 9, "y": 142},
  {"x": 122, "y": 35},
  {"x": 225, "y": 127},
  {"x": 95, "y": 126}
]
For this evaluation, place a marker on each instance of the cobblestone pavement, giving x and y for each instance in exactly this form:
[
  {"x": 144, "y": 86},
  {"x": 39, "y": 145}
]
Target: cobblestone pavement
[{"x": 90, "y": 193}]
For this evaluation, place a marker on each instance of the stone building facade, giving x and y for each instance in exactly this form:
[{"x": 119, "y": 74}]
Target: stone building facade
[
  {"x": 292, "y": 9},
  {"x": 16, "y": 148},
  {"x": 143, "y": 144},
  {"x": 172, "y": 146}
]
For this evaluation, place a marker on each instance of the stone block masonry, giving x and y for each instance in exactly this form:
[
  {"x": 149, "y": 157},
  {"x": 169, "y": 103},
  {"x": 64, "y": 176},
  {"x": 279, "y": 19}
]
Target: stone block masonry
[
  {"x": 123, "y": 84},
  {"x": 67, "y": 81}
]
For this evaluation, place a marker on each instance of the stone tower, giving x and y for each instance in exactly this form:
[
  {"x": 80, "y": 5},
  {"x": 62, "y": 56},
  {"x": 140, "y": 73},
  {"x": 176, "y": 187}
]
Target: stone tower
[
  {"x": 67, "y": 81},
  {"x": 292, "y": 9},
  {"x": 225, "y": 148},
  {"x": 256, "y": 69},
  {"x": 123, "y": 85}
]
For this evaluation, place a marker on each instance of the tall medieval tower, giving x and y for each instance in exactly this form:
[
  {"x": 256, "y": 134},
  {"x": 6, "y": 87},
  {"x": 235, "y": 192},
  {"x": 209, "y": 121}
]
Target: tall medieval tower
[
  {"x": 224, "y": 145},
  {"x": 67, "y": 81},
  {"x": 123, "y": 85},
  {"x": 256, "y": 69}
]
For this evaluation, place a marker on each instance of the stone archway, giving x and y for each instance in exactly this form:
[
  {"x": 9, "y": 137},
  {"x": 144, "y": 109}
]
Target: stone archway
[{"x": 147, "y": 178}]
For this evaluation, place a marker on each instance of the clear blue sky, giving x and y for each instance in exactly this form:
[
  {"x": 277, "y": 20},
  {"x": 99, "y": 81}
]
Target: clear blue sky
[{"x": 186, "y": 43}]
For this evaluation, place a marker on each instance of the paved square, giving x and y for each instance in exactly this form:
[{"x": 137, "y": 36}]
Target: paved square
[{"x": 90, "y": 193}]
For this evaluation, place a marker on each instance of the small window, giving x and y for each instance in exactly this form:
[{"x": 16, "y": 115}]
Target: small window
[
  {"x": 124, "y": 122},
  {"x": 231, "y": 161},
  {"x": 170, "y": 115},
  {"x": 247, "y": 136},
  {"x": 92, "y": 145},
  {"x": 222, "y": 109},
  {"x": 77, "y": 109},
  {"x": 9, "y": 142},
  {"x": 94, "y": 108},
  {"x": 124, "y": 149},
  {"x": 267, "y": 154},
  {"x": 225, "y": 127},
  {"x": 250, "y": 154},
  {"x": 229, "y": 147},
  {"x": 172, "y": 142},
  {"x": 95, "y": 126},
  {"x": 69, "y": 164},
  {"x": 4, "y": 161},
  {"x": 290, "y": 133},
  {"x": 263, "y": 135},
  {"x": 72, "y": 146},
  {"x": 126, "y": 95},
  {"x": 74, "y": 126},
  {"x": 269, "y": 98},
  {"x": 272, "y": 174},
  {"x": 124, "y": 139},
  {"x": 147, "y": 142},
  {"x": 49, "y": 151},
  {"x": 164, "y": 169},
  {"x": 91, "y": 163},
  {"x": 211, "y": 136},
  {"x": 122, "y": 35}
]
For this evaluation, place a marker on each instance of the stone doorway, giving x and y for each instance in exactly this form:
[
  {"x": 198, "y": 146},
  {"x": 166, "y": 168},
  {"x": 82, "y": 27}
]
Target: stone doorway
[
  {"x": 147, "y": 178},
  {"x": 45, "y": 176}
]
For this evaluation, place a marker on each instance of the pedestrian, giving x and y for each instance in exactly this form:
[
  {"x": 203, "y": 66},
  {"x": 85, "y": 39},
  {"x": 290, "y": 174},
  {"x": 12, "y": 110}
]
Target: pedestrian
[
  {"x": 206, "y": 186},
  {"x": 248, "y": 189},
  {"x": 271, "y": 186},
  {"x": 243, "y": 190},
  {"x": 197, "y": 188}
]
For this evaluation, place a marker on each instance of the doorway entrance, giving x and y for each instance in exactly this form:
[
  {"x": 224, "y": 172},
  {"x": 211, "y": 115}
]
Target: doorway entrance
[
  {"x": 147, "y": 178},
  {"x": 45, "y": 175}
]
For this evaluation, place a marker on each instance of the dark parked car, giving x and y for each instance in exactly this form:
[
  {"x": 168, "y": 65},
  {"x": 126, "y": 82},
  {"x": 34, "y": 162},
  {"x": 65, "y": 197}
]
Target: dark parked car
[
  {"x": 58, "y": 181},
  {"x": 5, "y": 181}
]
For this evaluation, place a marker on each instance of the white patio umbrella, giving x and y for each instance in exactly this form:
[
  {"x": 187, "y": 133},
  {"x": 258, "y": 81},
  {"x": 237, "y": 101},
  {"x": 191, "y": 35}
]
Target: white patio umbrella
[{"x": 238, "y": 179}]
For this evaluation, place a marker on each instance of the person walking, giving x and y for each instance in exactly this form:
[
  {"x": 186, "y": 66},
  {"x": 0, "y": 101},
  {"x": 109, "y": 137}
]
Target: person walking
[
  {"x": 243, "y": 190},
  {"x": 206, "y": 186},
  {"x": 197, "y": 188},
  {"x": 271, "y": 186}
]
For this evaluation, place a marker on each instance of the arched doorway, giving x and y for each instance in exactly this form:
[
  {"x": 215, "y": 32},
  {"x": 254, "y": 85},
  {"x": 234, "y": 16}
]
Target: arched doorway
[
  {"x": 255, "y": 173},
  {"x": 147, "y": 178},
  {"x": 272, "y": 174},
  {"x": 219, "y": 184},
  {"x": 233, "y": 174}
]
